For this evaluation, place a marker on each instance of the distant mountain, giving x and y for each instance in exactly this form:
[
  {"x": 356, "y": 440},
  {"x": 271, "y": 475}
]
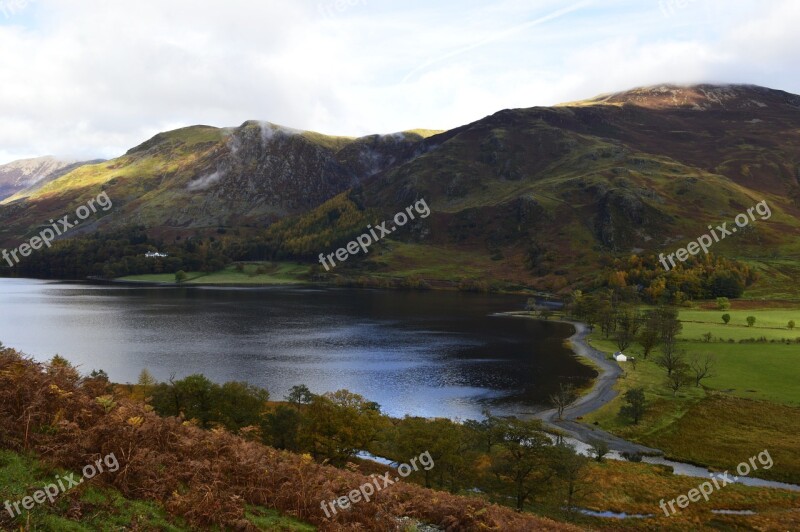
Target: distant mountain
[
  {"x": 23, "y": 174},
  {"x": 203, "y": 177},
  {"x": 545, "y": 193}
]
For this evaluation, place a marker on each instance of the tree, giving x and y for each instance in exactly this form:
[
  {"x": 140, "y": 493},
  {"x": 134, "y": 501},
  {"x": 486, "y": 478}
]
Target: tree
[
  {"x": 300, "y": 395},
  {"x": 448, "y": 444},
  {"x": 751, "y": 321},
  {"x": 576, "y": 305},
  {"x": 726, "y": 318},
  {"x": 194, "y": 393},
  {"x": 671, "y": 357},
  {"x": 707, "y": 337},
  {"x": 339, "y": 424},
  {"x": 563, "y": 398},
  {"x": 677, "y": 379},
  {"x": 605, "y": 315},
  {"x": 570, "y": 468},
  {"x": 791, "y": 324},
  {"x": 98, "y": 374},
  {"x": 668, "y": 323},
  {"x": 180, "y": 276},
  {"x": 238, "y": 404},
  {"x": 145, "y": 384},
  {"x": 599, "y": 448},
  {"x": 521, "y": 463},
  {"x": 723, "y": 303},
  {"x": 701, "y": 367},
  {"x": 483, "y": 432},
  {"x": 649, "y": 337},
  {"x": 281, "y": 428},
  {"x": 634, "y": 405},
  {"x": 628, "y": 322}
]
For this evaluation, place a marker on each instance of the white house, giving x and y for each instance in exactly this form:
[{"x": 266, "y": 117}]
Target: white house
[
  {"x": 155, "y": 254},
  {"x": 620, "y": 357}
]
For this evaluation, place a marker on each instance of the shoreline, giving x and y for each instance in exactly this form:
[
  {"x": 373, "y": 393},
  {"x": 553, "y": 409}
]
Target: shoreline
[{"x": 599, "y": 394}]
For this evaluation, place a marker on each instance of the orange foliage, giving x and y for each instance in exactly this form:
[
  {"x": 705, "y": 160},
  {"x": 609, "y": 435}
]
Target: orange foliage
[{"x": 208, "y": 477}]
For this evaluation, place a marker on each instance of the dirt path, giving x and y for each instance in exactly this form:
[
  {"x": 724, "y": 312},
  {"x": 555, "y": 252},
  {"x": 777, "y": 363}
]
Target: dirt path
[{"x": 602, "y": 392}]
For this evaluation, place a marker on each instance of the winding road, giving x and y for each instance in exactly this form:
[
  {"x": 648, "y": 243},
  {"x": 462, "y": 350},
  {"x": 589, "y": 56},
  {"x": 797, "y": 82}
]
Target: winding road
[{"x": 602, "y": 392}]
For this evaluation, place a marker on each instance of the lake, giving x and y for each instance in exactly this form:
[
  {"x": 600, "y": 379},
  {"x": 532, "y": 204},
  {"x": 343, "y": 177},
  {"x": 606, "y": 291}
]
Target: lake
[{"x": 420, "y": 353}]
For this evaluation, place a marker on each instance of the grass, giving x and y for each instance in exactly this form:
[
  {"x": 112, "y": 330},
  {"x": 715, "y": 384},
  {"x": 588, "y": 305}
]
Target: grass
[
  {"x": 271, "y": 273},
  {"x": 750, "y": 404},
  {"x": 402, "y": 259},
  {"x": 92, "y": 506},
  {"x": 100, "y": 508},
  {"x": 777, "y": 278},
  {"x": 273, "y": 520},
  {"x": 637, "y": 488}
]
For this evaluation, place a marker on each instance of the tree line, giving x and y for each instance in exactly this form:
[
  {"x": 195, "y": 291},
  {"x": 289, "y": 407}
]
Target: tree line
[{"x": 509, "y": 460}]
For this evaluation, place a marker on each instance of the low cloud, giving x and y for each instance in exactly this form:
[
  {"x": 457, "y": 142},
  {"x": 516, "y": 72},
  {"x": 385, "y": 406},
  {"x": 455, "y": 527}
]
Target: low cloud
[{"x": 205, "y": 181}]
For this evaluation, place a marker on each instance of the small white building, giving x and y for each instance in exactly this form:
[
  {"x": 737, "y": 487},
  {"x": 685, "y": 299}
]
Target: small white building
[
  {"x": 155, "y": 255},
  {"x": 620, "y": 357}
]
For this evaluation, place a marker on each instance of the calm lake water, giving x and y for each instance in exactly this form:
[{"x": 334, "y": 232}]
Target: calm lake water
[{"x": 419, "y": 353}]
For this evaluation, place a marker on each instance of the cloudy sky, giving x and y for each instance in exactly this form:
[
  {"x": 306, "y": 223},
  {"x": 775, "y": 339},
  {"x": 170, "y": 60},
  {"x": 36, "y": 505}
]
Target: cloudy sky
[{"x": 92, "y": 78}]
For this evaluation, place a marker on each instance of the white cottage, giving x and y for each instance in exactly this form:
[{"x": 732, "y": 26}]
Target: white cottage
[{"x": 620, "y": 357}]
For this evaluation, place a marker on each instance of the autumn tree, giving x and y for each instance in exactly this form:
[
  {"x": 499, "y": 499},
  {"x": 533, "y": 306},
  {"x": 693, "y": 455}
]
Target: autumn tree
[
  {"x": 570, "y": 467},
  {"x": 522, "y": 463},
  {"x": 448, "y": 444},
  {"x": 337, "y": 425}
]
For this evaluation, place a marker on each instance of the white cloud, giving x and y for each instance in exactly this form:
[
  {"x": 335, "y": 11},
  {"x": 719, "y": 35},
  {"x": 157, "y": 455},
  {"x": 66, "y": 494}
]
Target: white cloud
[{"x": 90, "y": 78}]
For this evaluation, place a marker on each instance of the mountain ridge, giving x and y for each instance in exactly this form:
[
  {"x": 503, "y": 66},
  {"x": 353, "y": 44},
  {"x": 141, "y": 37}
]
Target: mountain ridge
[{"x": 535, "y": 193}]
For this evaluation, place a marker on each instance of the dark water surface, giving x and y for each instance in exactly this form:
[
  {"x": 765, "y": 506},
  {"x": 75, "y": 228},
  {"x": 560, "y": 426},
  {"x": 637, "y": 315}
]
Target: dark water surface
[{"x": 421, "y": 353}]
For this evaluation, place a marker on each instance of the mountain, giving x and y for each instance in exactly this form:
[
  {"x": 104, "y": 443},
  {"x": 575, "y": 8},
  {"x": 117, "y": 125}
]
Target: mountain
[
  {"x": 203, "y": 177},
  {"x": 550, "y": 193},
  {"x": 538, "y": 196},
  {"x": 18, "y": 176}
]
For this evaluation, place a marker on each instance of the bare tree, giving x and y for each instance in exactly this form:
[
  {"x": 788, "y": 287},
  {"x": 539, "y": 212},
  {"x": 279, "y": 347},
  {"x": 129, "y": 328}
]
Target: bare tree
[
  {"x": 702, "y": 367},
  {"x": 563, "y": 398},
  {"x": 671, "y": 357},
  {"x": 677, "y": 379}
]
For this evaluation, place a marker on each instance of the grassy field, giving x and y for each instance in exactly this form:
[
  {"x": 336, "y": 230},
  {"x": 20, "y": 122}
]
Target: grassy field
[
  {"x": 265, "y": 273},
  {"x": 637, "y": 489},
  {"x": 750, "y": 403},
  {"x": 91, "y": 506}
]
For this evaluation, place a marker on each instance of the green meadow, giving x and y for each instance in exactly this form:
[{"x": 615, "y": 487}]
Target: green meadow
[
  {"x": 262, "y": 273},
  {"x": 753, "y": 385}
]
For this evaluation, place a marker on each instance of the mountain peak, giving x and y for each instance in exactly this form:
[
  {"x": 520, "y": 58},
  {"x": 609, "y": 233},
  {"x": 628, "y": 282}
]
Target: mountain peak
[{"x": 701, "y": 97}]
